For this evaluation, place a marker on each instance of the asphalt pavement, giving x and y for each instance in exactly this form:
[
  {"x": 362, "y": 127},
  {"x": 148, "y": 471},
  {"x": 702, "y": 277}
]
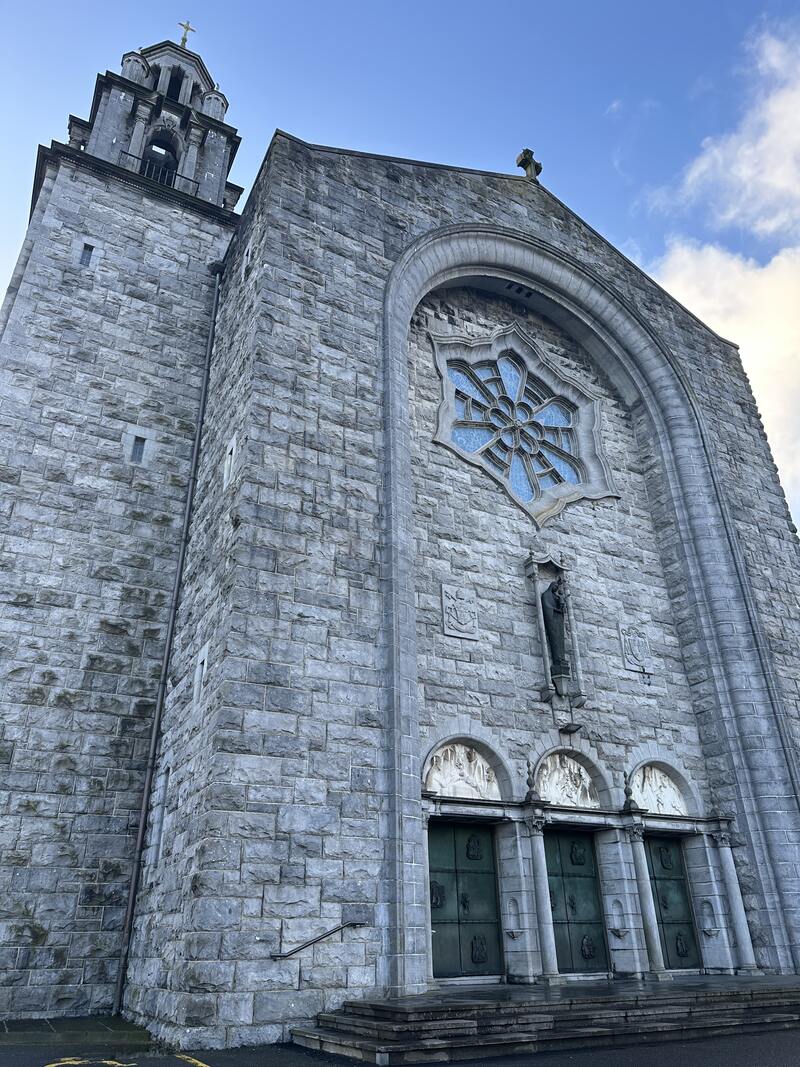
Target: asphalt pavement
[{"x": 778, "y": 1049}]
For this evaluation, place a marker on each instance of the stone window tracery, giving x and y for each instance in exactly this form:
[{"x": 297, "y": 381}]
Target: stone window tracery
[
  {"x": 510, "y": 418},
  {"x": 508, "y": 409}
]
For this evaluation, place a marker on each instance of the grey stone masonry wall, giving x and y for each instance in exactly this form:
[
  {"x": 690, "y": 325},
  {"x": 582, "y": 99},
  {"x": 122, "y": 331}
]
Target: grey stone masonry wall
[
  {"x": 470, "y": 535},
  {"x": 187, "y": 936},
  {"x": 301, "y": 779},
  {"x": 92, "y": 357}
]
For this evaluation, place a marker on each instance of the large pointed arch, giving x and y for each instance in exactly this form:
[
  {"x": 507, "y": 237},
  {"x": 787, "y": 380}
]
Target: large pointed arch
[{"x": 727, "y": 627}]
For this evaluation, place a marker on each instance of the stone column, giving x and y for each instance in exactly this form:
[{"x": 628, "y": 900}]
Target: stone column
[
  {"x": 646, "y": 902},
  {"x": 744, "y": 944},
  {"x": 426, "y": 819},
  {"x": 163, "y": 80},
  {"x": 189, "y": 162},
  {"x": 141, "y": 119},
  {"x": 541, "y": 888}
]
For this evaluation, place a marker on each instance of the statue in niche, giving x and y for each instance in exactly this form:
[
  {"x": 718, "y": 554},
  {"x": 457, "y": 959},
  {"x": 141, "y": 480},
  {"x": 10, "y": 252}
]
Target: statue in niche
[{"x": 554, "y": 606}]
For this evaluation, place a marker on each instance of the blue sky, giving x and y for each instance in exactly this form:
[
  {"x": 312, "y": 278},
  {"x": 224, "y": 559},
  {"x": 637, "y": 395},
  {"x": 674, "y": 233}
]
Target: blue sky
[{"x": 650, "y": 119}]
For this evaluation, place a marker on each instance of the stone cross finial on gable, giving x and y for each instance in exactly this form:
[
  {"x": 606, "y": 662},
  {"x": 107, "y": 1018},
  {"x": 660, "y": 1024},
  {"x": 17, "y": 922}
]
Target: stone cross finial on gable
[
  {"x": 187, "y": 29},
  {"x": 531, "y": 166}
]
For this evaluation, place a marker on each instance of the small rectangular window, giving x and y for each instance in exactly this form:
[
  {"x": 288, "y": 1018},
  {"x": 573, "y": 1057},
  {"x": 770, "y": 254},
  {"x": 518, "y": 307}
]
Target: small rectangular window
[
  {"x": 158, "y": 819},
  {"x": 200, "y": 674},
  {"x": 230, "y": 458},
  {"x": 137, "y": 449},
  {"x": 86, "y": 255}
]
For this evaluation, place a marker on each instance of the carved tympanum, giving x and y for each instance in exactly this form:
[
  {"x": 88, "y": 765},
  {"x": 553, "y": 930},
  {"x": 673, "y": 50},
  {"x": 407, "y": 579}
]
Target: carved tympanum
[
  {"x": 560, "y": 779},
  {"x": 653, "y": 788},
  {"x": 460, "y": 771}
]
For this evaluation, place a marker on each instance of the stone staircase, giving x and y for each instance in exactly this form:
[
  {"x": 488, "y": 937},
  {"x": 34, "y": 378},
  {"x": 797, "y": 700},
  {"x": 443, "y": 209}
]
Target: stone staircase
[{"x": 465, "y": 1024}]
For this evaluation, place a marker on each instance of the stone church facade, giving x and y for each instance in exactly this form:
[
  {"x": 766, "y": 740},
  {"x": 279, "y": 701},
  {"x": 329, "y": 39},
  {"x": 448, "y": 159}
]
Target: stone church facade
[{"x": 395, "y": 565}]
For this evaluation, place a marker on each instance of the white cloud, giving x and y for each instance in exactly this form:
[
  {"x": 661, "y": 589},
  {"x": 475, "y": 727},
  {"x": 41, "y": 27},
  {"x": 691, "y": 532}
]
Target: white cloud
[
  {"x": 750, "y": 179},
  {"x": 758, "y": 307},
  {"x": 751, "y": 176}
]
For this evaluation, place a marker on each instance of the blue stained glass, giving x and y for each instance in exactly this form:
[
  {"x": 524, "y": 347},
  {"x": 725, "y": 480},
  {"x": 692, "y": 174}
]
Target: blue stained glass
[
  {"x": 553, "y": 414},
  {"x": 565, "y": 469},
  {"x": 520, "y": 482},
  {"x": 471, "y": 438},
  {"x": 511, "y": 376},
  {"x": 465, "y": 384},
  {"x": 506, "y": 386}
]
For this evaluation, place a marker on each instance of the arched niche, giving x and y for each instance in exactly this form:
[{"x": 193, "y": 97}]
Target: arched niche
[
  {"x": 568, "y": 779},
  {"x": 464, "y": 769},
  {"x": 661, "y": 789}
]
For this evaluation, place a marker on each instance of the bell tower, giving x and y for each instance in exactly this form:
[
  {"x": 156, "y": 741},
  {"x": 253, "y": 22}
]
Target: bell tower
[
  {"x": 163, "y": 117},
  {"x": 104, "y": 343}
]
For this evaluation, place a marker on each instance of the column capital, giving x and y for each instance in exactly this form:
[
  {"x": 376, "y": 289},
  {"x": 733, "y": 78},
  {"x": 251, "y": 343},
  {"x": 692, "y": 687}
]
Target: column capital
[
  {"x": 144, "y": 110},
  {"x": 196, "y": 134},
  {"x": 535, "y": 824},
  {"x": 635, "y": 832},
  {"x": 721, "y": 838}
]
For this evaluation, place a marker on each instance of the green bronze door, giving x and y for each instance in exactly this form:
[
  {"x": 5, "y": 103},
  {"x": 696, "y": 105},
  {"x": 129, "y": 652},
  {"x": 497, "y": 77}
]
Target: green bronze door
[
  {"x": 464, "y": 919},
  {"x": 575, "y": 900},
  {"x": 673, "y": 906}
]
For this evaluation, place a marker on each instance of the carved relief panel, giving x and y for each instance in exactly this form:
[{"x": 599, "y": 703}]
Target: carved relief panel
[{"x": 460, "y": 771}]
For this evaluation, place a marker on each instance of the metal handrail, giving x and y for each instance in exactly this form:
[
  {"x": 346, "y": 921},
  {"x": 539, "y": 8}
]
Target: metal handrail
[
  {"x": 162, "y": 175},
  {"x": 312, "y": 941}
]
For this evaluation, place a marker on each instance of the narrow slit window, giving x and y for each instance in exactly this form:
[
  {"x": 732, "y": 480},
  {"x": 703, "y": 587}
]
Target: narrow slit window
[
  {"x": 230, "y": 458},
  {"x": 86, "y": 255},
  {"x": 137, "y": 449},
  {"x": 161, "y": 807},
  {"x": 200, "y": 675}
]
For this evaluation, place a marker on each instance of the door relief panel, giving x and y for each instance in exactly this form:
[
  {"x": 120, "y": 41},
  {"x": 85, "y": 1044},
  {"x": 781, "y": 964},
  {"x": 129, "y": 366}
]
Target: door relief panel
[
  {"x": 463, "y": 901},
  {"x": 575, "y": 901},
  {"x": 673, "y": 906}
]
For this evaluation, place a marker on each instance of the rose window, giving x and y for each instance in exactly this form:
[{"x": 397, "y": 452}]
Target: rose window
[
  {"x": 509, "y": 409},
  {"x": 509, "y": 418}
]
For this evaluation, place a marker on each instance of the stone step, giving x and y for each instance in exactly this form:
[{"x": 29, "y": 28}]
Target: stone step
[
  {"x": 384, "y": 1029},
  {"x": 535, "y": 1019},
  {"x": 469, "y": 1007},
  {"x": 514, "y": 1042}
]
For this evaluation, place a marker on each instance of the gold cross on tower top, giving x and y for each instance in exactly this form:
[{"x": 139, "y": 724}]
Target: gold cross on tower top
[{"x": 187, "y": 29}]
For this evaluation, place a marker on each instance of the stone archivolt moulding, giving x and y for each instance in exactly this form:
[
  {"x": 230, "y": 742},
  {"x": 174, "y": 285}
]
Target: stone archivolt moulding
[
  {"x": 458, "y": 770},
  {"x": 560, "y": 779},
  {"x": 653, "y": 789},
  {"x": 509, "y": 410}
]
